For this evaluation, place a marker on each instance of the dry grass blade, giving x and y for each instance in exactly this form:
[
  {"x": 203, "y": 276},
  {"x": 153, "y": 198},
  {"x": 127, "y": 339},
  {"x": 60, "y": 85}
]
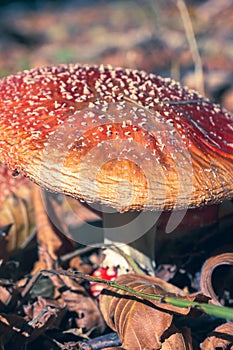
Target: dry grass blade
[{"x": 192, "y": 44}]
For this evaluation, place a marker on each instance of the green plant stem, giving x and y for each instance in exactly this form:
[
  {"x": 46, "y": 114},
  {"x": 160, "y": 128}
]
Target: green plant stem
[
  {"x": 210, "y": 309},
  {"x": 213, "y": 310}
]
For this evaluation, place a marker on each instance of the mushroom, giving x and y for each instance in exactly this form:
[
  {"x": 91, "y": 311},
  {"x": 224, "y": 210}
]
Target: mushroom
[{"x": 118, "y": 137}]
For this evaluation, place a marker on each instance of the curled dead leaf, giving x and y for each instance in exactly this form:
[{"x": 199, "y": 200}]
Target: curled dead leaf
[
  {"x": 143, "y": 324},
  {"x": 207, "y": 271},
  {"x": 220, "y": 339}
]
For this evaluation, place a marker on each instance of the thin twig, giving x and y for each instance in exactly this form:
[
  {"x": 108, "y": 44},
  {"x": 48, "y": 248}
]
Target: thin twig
[
  {"x": 78, "y": 252},
  {"x": 110, "y": 340},
  {"x": 105, "y": 341},
  {"x": 199, "y": 76}
]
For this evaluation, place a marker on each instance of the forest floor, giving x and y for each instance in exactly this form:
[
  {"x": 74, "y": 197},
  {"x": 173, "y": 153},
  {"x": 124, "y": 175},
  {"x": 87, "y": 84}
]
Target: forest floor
[{"x": 53, "y": 311}]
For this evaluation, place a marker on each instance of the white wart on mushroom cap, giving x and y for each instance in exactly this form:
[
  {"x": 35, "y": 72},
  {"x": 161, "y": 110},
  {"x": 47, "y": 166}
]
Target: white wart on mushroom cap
[{"x": 116, "y": 136}]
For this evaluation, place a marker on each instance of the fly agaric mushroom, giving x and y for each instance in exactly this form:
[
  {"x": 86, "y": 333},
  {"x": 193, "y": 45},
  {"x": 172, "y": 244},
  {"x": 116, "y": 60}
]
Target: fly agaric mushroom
[{"x": 118, "y": 137}]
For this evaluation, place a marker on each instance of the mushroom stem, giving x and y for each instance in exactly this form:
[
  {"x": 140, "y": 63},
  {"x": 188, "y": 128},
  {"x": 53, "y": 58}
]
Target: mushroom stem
[{"x": 136, "y": 229}]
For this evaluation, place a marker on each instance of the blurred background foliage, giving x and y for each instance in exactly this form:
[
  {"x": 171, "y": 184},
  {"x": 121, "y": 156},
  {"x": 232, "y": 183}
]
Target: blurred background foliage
[{"x": 147, "y": 35}]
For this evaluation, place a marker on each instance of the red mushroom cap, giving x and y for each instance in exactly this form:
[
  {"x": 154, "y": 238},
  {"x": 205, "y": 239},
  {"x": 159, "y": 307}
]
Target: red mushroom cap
[{"x": 116, "y": 136}]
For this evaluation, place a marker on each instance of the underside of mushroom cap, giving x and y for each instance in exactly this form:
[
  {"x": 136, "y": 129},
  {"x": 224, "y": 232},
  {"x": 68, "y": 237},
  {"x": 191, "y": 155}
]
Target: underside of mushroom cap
[{"x": 116, "y": 136}]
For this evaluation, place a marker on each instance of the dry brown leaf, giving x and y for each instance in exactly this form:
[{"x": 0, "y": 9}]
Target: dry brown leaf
[
  {"x": 5, "y": 295},
  {"x": 84, "y": 309},
  {"x": 141, "y": 324},
  {"x": 77, "y": 264},
  {"x": 41, "y": 311},
  {"x": 51, "y": 241},
  {"x": 16, "y": 212},
  {"x": 178, "y": 340},
  {"x": 207, "y": 271},
  {"x": 174, "y": 342},
  {"x": 16, "y": 330},
  {"x": 221, "y": 338},
  {"x": 9, "y": 184},
  {"x": 14, "y": 326},
  {"x": 155, "y": 285},
  {"x": 54, "y": 209}
]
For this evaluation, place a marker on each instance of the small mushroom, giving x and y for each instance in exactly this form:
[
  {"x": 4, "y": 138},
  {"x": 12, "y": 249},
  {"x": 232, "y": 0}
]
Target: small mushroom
[{"x": 118, "y": 137}]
